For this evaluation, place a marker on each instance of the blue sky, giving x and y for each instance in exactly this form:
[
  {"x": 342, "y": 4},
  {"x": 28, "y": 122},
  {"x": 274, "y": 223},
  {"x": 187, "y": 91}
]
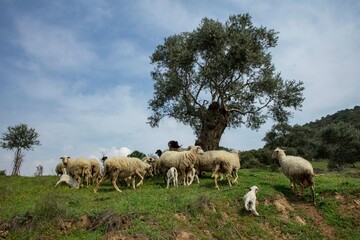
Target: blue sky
[{"x": 79, "y": 71}]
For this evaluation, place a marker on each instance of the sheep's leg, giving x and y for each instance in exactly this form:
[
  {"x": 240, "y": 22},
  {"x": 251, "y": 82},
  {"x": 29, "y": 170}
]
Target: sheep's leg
[
  {"x": 168, "y": 182},
  {"x": 228, "y": 178},
  {"x": 98, "y": 184},
  {"x": 183, "y": 173},
  {"x": 141, "y": 177},
  {"x": 235, "y": 177},
  {"x": 133, "y": 182},
  {"x": 114, "y": 181},
  {"x": 313, "y": 193},
  {"x": 216, "y": 183}
]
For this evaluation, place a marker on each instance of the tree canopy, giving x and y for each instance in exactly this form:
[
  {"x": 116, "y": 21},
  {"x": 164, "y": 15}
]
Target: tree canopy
[
  {"x": 218, "y": 76},
  {"x": 19, "y": 138}
]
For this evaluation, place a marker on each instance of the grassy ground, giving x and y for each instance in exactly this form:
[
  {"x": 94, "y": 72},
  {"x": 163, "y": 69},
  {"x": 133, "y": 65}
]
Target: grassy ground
[{"x": 31, "y": 208}]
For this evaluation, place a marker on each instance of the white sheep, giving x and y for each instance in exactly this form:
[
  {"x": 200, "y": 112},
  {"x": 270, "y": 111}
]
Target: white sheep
[
  {"x": 298, "y": 170},
  {"x": 250, "y": 200},
  {"x": 183, "y": 161},
  {"x": 122, "y": 168},
  {"x": 172, "y": 175},
  {"x": 95, "y": 170},
  {"x": 79, "y": 169},
  {"x": 59, "y": 169},
  {"x": 68, "y": 180},
  {"x": 227, "y": 163},
  {"x": 193, "y": 175}
]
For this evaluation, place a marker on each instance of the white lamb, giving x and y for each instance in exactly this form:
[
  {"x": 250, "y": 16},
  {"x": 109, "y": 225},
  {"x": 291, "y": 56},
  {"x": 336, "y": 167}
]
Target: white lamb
[
  {"x": 227, "y": 163},
  {"x": 79, "y": 169},
  {"x": 192, "y": 176},
  {"x": 124, "y": 167},
  {"x": 172, "y": 175},
  {"x": 250, "y": 200},
  {"x": 68, "y": 180},
  {"x": 298, "y": 170},
  {"x": 183, "y": 161}
]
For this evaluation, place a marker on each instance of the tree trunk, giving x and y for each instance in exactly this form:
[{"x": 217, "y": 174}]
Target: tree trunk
[
  {"x": 214, "y": 122},
  {"x": 17, "y": 162}
]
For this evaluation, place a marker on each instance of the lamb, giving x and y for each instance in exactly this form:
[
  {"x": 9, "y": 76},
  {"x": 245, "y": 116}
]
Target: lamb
[
  {"x": 192, "y": 175},
  {"x": 183, "y": 161},
  {"x": 124, "y": 167},
  {"x": 250, "y": 200},
  {"x": 68, "y": 180},
  {"x": 172, "y": 174},
  {"x": 298, "y": 170},
  {"x": 227, "y": 163},
  {"x": 78, "y": 168}
]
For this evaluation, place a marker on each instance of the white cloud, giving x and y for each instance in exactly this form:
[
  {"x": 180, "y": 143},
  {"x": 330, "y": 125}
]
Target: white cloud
[{"x": 53, "y": 46}]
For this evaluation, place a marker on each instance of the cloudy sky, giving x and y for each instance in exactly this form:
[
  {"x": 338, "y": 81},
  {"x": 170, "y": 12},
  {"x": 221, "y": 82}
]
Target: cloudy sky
[{"x": 78, "y": 71}]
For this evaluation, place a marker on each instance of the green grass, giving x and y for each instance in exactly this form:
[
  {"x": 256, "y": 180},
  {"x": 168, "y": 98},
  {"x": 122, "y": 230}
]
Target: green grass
[{"x": 34, "y": 209}]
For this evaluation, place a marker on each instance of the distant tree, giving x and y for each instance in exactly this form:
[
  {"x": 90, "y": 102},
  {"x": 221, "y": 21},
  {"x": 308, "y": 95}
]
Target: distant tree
[
  {"x": 219, "y": 76},
  {"x": 39, "y": 171},
  {"x": 18, "y": 139},
  {"x": 137, "y": 154},
  {"x": 341, "y": 143},
  {"x": 302, "y": 139}
]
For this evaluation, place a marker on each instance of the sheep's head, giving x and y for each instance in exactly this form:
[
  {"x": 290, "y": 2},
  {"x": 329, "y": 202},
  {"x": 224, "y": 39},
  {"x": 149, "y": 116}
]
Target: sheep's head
[
  {"x": 173, "y": 144},
  {"x": 65, "y": 160},
  {"x": 254, "y": 189},
  {"x": 158, "y": 152},
  {"x": 197, "y": 149},
  {"x": 278, "y": 152}
]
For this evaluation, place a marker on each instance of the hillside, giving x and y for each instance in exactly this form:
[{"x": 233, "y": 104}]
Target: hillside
[
  {"x": 31, "y": 208},
  {"x": 350, "y": 116}
]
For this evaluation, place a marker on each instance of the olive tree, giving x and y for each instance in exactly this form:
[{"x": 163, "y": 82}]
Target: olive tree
[
  {"x": 219, "y": 76},
  {"x": 18, "y": 139}
]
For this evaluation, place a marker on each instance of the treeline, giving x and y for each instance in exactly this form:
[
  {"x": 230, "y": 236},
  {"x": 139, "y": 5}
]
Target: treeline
[{"x": 335, "y": 137}]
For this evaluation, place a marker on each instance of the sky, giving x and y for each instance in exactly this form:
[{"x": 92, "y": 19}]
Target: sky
[{"x": 78, "y": 71}]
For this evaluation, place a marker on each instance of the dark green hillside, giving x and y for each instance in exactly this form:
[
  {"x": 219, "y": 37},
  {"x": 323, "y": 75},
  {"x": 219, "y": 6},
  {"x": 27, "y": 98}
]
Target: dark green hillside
[{"x": 350, "y": 116}]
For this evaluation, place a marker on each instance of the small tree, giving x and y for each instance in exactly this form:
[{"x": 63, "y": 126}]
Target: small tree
[
  {"x": 18, "y": 139},
  {"x": 39, "y": 171}
]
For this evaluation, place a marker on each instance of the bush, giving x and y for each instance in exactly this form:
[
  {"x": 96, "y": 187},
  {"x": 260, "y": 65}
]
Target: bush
[{"x": 3, "y": 172}]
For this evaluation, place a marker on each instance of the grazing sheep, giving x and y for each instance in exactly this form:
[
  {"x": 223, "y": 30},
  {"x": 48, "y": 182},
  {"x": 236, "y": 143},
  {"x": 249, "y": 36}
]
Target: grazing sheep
[
  {"x": 68, "y": 180},
  {"x": 124, "y": 167},
  {"x": 298, "y": 170},
  {"x": 95, "y": 170},
  {"x": 153, "y": 160},
  {"x": 172, "y": 174},
  {"x": 250, "y": 200},
  {"x": 227, "y": 163},
  {"x": 78, "y": 168},
  {"x": 182, "y": 161},
  {"x": 59, "y": 169}
]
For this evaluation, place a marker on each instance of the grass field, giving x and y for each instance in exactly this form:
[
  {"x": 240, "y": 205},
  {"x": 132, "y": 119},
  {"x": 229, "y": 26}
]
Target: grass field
[{"x": 31, "y": 208}]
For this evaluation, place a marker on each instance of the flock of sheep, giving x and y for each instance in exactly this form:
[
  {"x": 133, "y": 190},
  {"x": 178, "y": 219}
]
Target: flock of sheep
[{"x": 179, "y": 165}]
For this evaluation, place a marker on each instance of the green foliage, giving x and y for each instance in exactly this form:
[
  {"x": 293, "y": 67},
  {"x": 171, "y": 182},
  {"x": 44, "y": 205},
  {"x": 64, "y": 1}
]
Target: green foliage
[
  {"x": 137, "y": 154},
  {"x": 20, "y": 137},
  {"x": 329, "y": 138},
  {"x": 221, "y": 74}
]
